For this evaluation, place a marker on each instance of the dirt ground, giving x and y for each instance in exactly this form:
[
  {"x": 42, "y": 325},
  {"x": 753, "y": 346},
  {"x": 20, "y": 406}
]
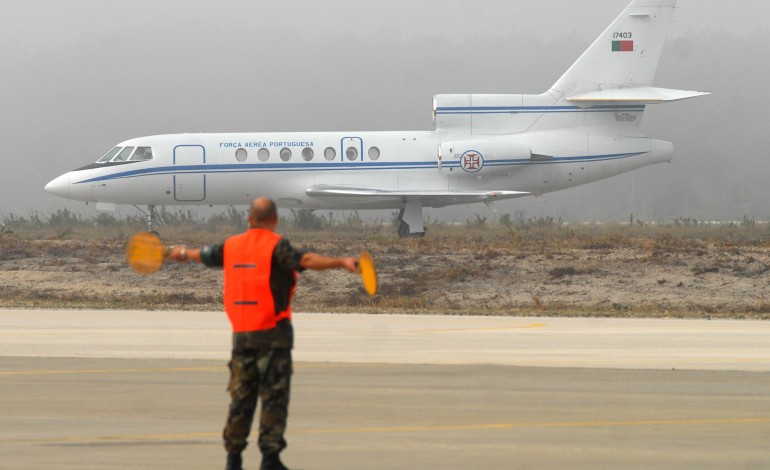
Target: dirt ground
[{"x": 537, "y": 273}]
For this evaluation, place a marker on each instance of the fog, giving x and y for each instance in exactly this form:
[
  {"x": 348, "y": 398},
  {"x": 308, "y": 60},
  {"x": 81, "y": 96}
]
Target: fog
[{"x": 80, "y": 76}]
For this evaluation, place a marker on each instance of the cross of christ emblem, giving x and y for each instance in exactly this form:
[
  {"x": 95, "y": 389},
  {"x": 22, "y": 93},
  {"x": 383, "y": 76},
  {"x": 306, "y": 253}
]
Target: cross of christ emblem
[{"x": 472, "y": 162}]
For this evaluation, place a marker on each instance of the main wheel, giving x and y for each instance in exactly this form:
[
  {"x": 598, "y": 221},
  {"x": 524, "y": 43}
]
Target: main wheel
[{"x": 403, "y": 230}]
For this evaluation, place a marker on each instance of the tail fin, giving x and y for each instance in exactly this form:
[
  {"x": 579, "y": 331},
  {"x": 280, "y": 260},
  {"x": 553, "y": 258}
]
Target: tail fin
[
  {"x": 609, "y": 85},
  {"x": 625, "y": 55}
]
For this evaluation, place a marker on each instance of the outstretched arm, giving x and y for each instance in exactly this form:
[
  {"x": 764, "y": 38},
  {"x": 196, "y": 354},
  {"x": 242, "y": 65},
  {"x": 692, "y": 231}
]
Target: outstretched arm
[
  {"x": 313, "y": 261},
  {"x": 307, "y": 261},
  {"x": 182, "y": 254},
  {"x": 319, "y": 262}
]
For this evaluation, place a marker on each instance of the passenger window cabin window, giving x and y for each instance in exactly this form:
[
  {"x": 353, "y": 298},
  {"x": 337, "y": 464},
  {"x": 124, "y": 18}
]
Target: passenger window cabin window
[
  {"x": 330, "y": 153},
  {"x": 241, "y": 154},
  {"x": 351, "y": 153},
  {"x": 307, "y": 154},
  {"x": 374, "y": 153},
  {"x": 123, "y": 155},
  {"x": 142, "y": 154},
  {"x": 285, "y": 154},
  {"x": 263, "y": 154},
  {"x": 108, "y": 156}
]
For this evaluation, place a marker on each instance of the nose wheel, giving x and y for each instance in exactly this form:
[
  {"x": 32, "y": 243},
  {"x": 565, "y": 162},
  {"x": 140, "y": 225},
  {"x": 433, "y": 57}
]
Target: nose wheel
[{"x": 153, "y": 218}]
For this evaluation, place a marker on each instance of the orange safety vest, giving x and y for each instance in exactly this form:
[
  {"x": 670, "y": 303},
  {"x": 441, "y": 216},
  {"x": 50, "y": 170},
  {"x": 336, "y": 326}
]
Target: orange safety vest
[{"x": 249, "y": 300}]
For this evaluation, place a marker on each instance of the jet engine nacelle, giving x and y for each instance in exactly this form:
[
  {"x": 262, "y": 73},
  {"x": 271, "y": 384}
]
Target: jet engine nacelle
[{"x": 471, "y": 155}]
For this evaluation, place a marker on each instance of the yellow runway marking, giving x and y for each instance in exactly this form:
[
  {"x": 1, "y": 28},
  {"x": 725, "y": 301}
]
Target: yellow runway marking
[
  {"x": 220, "y": 368},
  {"x": 472, "y": 330},
  {"x": 117, "y": 438},
  {"x": 400, "y": 429},
  {"x": 558, "y": 424},
  {"x": 110, "y": 371}
]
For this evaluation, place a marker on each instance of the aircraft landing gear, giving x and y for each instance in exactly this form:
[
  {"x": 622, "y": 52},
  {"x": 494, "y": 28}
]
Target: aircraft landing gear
[
  {"x": 153, "y": 218},
  {"x": 410, "y": 220},
  {"x": 403, "y": 228}
]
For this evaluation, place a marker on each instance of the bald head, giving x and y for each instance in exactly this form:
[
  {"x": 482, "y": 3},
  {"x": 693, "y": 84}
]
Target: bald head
[{"x": 263, "y": 213}]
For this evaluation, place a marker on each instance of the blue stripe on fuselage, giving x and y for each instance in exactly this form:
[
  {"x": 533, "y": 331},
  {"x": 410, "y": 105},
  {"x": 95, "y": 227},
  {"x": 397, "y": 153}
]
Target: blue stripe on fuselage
[{"x": 337, "y": 166}]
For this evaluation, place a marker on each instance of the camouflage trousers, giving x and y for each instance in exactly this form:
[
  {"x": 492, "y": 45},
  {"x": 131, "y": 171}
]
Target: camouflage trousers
[{"x": 263, "y": 374}]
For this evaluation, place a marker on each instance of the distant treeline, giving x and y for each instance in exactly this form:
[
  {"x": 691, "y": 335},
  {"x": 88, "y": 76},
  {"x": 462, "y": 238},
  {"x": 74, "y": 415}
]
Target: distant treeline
[{"x": 64, "y": 221}]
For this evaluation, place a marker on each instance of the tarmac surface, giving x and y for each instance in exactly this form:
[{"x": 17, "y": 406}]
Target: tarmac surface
[{"x": 125, "y": 389}]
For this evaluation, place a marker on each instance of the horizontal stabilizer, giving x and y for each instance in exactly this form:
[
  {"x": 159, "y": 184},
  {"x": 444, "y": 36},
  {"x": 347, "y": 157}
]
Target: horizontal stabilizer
[
  {"x": 646, "y": 95},
  {"x": 363, "y": 195}
]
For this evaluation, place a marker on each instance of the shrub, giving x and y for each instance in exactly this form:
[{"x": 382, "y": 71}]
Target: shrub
[{"x": 306, "y": 219}]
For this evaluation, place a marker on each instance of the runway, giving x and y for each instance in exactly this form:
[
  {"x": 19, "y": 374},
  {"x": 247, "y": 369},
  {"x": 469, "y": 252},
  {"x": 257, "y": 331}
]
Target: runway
[{"x": 85, "y": 389}]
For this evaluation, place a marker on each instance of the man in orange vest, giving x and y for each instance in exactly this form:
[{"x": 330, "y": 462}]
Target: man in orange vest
[{"x": 260, "y": 272}]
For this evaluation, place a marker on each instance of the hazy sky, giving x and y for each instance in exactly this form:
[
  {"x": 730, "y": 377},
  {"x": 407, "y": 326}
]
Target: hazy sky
[{"x": 79, "y": 76}]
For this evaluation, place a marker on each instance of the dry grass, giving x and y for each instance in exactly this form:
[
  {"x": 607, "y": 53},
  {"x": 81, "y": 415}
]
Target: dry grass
[{"x": 492, "y": 269}]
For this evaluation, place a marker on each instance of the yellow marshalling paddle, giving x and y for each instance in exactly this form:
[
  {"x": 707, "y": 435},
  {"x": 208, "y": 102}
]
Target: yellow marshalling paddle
[
  {"x": 368, "y": 273},
  {"x": 145, "y": 253}
]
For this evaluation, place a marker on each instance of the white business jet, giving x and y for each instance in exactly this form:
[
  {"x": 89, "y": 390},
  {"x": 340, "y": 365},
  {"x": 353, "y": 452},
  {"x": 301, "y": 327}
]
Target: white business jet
[{"x": 484, "y": 148}]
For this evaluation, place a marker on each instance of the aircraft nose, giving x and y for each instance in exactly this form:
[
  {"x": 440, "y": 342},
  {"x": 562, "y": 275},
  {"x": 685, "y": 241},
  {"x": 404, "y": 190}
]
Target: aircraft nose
[{"x": 60, "y": 186}]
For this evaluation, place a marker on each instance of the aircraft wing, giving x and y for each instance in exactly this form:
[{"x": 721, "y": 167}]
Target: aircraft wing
[{"x": 386, "y": 198}]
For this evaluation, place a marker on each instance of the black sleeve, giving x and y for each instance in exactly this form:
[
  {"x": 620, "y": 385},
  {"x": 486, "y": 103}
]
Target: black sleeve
[
  {"x": 285, "y": 261},
  {"x": 213, "y": 256},
  {"x": 286, "y": 257}
]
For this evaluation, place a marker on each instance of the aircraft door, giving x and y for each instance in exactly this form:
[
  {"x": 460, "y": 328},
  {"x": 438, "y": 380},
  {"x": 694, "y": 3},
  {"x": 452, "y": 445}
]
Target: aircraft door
[
  {"x": 352, "y": 149},
  {"x": 190, "y": 179}
]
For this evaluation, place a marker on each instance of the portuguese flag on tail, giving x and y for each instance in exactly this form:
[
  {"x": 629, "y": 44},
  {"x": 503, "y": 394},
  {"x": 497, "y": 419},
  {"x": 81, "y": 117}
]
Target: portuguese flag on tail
[{"x": 623, "y": 46}]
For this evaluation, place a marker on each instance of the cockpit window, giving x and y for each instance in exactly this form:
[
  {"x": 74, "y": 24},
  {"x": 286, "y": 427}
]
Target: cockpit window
[
  {"x": 123, "y": 155},
  {"x": 142, "y": 154},
  {"x": 108, "y": 156}
]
